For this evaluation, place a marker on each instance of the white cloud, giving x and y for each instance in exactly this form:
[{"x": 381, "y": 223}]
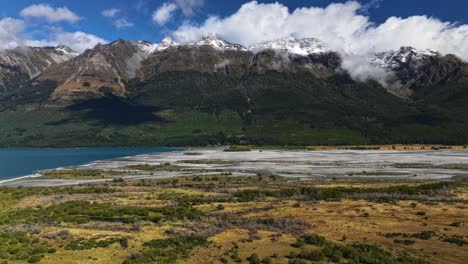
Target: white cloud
[
  {"x": 13, "y": 34},
  {"x": 10, "y": 31},
  {"x": 49, "y": 13},
  {"x": 188, "y": 6},
  {"x": 342, "y": 26},
  {"x": 371, "y": 5},
  {"x": 110, "y": 12},
  {"x": 78, "y": 40},
  {"x": 254, "y": 23},
  {"x": 122, "y": 23},
  {"x": 164, "y": 13}
]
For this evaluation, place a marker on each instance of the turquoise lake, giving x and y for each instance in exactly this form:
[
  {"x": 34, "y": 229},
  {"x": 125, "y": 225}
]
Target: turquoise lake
[{"x": 22, "y": 162}]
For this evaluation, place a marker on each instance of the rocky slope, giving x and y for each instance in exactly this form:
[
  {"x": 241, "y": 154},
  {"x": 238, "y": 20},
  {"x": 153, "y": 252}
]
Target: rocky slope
[
  {"x": 106, "y": 68},
  {"x": 290, "y": 91},
  {"x": 19, "y": 65},
  {"x": 416, "y": 69},
  {"x": 99, "y": 71}
]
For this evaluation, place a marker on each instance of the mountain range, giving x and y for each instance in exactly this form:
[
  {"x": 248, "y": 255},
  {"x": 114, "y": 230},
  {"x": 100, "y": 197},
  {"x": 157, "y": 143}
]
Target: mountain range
[{"x": 286, "y": 92}]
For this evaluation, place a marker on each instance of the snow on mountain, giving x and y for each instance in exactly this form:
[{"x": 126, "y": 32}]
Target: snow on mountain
[
  {"x": 166, "y": 43},
  {"x": 146, "y": 47},
  {"x": 34, "y": 61},
  {"x": 67, "y": 51},
  {"x": 150, "y": 48},
  {"x": 218, "y": 43},
  {"x": 19, "y": 65},
  {"x": 393, "y": 60},
  {"x": 301, "y": 47}
]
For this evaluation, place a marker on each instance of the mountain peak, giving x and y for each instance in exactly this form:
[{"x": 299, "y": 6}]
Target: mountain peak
[
  {"x": 166, "y": 43},
  {"x": 216, "y": 42},
  {"x": 210, "y": 36},
  {"x": 404, "y": 55},
  {"x": 67, "y": 50},
  {"x": 292, "y": 45}
]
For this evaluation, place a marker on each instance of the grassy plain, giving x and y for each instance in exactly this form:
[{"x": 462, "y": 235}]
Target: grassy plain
[{"x": 231, "y": 219}]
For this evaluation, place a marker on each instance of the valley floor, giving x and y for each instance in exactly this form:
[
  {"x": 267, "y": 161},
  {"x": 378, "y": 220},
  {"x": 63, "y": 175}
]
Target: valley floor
[{"x": 215, "y": 206}]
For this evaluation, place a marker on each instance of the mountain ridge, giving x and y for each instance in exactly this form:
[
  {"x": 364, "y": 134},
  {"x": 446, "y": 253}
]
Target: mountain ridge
[
  {"x": 137, "y": 93},
  {"x": 410, "y": 68}
]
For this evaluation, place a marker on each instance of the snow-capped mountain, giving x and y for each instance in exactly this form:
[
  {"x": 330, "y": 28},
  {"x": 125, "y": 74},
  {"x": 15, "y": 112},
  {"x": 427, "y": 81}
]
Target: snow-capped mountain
[
  {"x": 218, "y": 43},
  {"x": 166, "y": 43},
  {"x": 21, "y": 64},
  {"x": 393, "y": 60},
  {"x": 107, "y": 65},
  {"x": 291, "y": 45},
  {"x": 150, "y": 48},
  {"x": 413, "y": 68},
  {"x": 107, "y": 68},
  {"x": 35, "y": 60}
]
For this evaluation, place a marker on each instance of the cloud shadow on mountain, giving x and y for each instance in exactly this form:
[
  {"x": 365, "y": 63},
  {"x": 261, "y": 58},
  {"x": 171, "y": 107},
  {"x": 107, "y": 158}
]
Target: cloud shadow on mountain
[{"x": 112, "y": 110}]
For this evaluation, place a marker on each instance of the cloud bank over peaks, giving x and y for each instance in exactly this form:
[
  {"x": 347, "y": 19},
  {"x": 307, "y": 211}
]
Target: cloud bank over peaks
[
  {"x": 10, "y": 30},
  {"x": 342, "y": 26},
  {"x": 13, "y": 34}
]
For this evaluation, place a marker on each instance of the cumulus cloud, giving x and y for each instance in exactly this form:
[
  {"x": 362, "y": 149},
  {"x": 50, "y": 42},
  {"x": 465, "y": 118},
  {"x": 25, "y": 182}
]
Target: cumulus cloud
[
  {"x": 51, "y": 14},
  {"x": 188, "y": 6},
  {"x": 10, "y": 30},
  {"x": 164, "y": 13},
  {"x": 344, "y": 27},
  {"x": 112, "y": 12},
  {"x": 78, "y": 40},
  {"x": 13, "y": 33},
  {"x": 123, "y": 23},
  {"x": 255, "y": 23}
]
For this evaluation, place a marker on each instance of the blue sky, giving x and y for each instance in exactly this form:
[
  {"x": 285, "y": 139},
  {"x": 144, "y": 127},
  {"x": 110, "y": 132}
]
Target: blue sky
[
  {"x": 135, "y": 20},
  {"x": 139, "y": 12}
]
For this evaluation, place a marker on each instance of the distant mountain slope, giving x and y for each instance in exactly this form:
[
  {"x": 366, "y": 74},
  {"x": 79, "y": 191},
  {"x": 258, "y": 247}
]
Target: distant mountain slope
[
  {"x": 106, "y": 68},
  {"x": 99, "y": 71},
  {"x": 416, "y": 69},
  {"x": 287, "y": 92},
  {"x": 19, "y": 65}
]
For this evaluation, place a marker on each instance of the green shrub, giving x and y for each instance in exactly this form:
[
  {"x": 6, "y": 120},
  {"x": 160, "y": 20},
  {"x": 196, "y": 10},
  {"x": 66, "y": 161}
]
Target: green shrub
[
  {"x": 313, "y": 255},
  {"x": 168, "y": 250},
  {"x": 425, "y": 235},
  {"x": 457, "y": 240},
  {"x": 22, "y": 246},
  {"x": 83, "y": 244},
  {"x": 299, "y": 243},
  {"x": 456, "y": 224},
  {"x": 406, "y": 242},
  {"x": 253, "y": 259},
  {"x": 314, "y": 239}
]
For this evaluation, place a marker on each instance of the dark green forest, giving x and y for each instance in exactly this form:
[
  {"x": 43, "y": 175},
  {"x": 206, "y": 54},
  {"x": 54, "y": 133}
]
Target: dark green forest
[{"x": 199, "y": 109}]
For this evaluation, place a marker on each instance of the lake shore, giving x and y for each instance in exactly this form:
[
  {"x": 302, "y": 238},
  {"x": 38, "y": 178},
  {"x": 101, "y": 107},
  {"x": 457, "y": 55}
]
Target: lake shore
[
  {"x": 318, "y": 164},
  {"x": 391, "y": 147}
]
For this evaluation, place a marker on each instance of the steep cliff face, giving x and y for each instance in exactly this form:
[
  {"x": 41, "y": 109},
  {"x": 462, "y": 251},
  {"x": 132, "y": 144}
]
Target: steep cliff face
[
  {"x": 106, "y": 69},
  {"x": 214, "y": 55},
  {"x": 289, "y": 91},
  {"x": 416, "y": 69},
  {"x": 19, "y": 65},
  {"x": 99, "y": 71}
]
